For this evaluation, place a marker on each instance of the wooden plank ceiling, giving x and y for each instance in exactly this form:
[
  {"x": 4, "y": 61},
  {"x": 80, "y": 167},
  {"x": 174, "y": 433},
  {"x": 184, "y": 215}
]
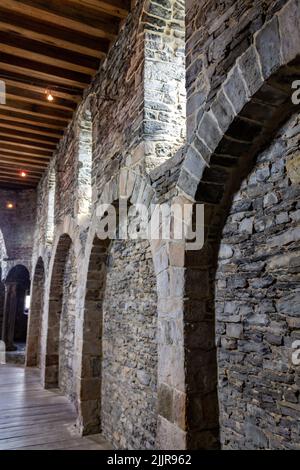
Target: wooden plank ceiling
[{"x": 52, "y": 45}]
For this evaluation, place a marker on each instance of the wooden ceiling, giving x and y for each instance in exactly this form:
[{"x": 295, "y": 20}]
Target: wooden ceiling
[{"x": 52, "y": 45}]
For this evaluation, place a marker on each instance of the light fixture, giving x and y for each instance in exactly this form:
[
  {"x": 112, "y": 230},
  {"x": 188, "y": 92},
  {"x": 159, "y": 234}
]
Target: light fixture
[
  {"x": 49, "y": 95},
  {"x": 9, "y": 205},
  {"x": 23, "y": 174}
]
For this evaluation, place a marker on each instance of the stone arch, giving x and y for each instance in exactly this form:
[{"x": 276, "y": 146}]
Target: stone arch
[
  {"x": 251, "y": 105},
  {"x": 54, "y": 312},
  {"x": 91, "y": 367},
  {"x": 131, "y": 187},
  {"x": 255, "y": 294},
  {"x": 17, "y": 286},
  {"x": 33, "y": 351}
]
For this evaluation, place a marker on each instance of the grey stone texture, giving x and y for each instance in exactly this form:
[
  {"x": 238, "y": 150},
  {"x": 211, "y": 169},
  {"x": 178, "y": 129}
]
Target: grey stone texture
[
  {"x": 157, "y": 346},
  {"x": 257, "y": 284}
]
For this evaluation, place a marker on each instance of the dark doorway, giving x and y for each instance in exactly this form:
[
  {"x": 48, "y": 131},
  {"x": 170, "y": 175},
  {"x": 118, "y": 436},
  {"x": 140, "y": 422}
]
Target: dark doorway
[{"x": 17, "y": 293}]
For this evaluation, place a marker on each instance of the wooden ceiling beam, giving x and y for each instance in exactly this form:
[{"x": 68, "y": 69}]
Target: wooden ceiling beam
[
  {"x": 53, "y": 35},
  {"x": 8, "y": 148},
  {"x": 63, "y": 13},
  {"x": 118, "y": 8},
  {"x": 21, "y": 164},
  {"x": 28, "y": 136},
  {"x": 48, "y": 73},
  {"x": 15, "y": 173},
  {"x": 27, "y": 145},
  {"x": 22, "y": 117},
  {"x": 61, "y": 117},
  {"x": 35, "y": 98},
  {"x": 17, "y": 182},
  {"x": 47, "y": 45},
  {"x": 28, "y": 128},
  {"x": 39, "y": 86},
  {"x": 50, "y": 55},
  {"x": 24, "y": 158}
]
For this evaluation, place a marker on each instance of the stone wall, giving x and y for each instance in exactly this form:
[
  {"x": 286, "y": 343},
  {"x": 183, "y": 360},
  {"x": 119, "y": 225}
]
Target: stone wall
[
  {"x": 17, "y": 226},
  {"x": 137, "y": 112},
  {"x": 217, "y": 35},
  {"x": 67, "y": 328},
  {"x": 129, "y": 402},
  {"x": 2, "y": 299},
  {"x": 257, "y": 303},
  {"x": 164, "y": 80},
  {"x": 223, "y": 140},
  {"x": 16, "y": 244},
  {"x": 2, "y": 287}
]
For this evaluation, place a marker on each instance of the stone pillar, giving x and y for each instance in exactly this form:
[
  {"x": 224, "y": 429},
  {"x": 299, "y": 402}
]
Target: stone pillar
[
  {"x": 169, "y": 265},
  {"x": 2, "y": 297},
  {"x": 9, "y": 317}
]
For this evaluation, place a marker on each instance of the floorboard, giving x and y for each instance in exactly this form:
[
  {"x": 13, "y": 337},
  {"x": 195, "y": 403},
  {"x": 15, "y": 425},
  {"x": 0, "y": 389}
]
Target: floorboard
[{"x": 32, "y": 418}]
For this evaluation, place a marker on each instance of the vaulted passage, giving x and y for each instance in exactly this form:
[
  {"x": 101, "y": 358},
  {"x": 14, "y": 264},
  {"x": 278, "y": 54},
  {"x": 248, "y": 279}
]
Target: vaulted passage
[
  {"x": 149, "y": 224},
  {"x": 17, "y": 288}
]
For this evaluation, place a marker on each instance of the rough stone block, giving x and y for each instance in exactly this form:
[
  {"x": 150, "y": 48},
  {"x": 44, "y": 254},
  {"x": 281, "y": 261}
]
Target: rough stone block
[
  {"x": 234, "y": 330},
  {"x": 223, "y": 111},
  {"x": 267, "y": 42},
  {"x": 165, "y": 402},
  {"x": 289, "y": 25},
  {"x": 209, "y": 131},
  {"x": 194, "y": 163},
  {"x": 235, "y": 89},
  {"x": 187, "y": 183},
  {"x": 251, "y": 70}
]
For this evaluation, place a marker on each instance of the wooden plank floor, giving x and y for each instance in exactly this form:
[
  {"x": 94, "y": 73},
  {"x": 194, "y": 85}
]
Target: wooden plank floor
[{"x": 34, "y": 418}]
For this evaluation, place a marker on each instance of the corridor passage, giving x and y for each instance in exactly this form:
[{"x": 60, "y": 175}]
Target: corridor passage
[{"x": 34, "y": 418}]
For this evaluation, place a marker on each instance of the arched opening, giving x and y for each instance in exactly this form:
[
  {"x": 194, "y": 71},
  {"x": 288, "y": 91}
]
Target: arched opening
[
  {"x": 129, "y": 373},
  {"x": 92, "y": 354},
  {"x": 257, "y": 288},
  {"x": 59, "y": 298},
  {"x": 35, "y": 317},
  {"x": 51, "y": 207},
  {"x": 232, "y": 161},
  {"x": 118, "y": 380},
  {"x": 17, "y": 290},
  {"x": 85, "y": 154}
]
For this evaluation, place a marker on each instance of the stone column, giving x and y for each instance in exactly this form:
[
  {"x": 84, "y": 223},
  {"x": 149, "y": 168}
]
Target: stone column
[{"x": 9, "y": 316}]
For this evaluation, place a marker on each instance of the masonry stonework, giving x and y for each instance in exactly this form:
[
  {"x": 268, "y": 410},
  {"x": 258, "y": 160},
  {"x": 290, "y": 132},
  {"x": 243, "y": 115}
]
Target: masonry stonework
[
  {"x": 155, "y": 345},
  {"x": 129, "y": 347},
  {"x": 257, "y": 299}
]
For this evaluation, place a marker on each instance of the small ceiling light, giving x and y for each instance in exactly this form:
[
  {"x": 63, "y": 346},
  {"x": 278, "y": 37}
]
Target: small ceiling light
[
  {"x": 9, "y": 205},
  {"x": 23, "y": 174},
  {"x": 49, "y": 96}
]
